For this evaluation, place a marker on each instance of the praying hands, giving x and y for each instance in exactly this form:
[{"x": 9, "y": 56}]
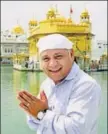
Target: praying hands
[{"x": 31, "y": 104}]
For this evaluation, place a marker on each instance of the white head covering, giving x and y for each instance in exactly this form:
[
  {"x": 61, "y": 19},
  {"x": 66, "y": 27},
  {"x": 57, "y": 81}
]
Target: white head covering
[{"x": 54, "y": 41}]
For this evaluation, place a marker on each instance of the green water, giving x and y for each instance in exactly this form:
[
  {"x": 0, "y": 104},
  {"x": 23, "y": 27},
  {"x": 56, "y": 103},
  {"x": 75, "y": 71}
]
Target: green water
[{"x": 13, "y": 119}]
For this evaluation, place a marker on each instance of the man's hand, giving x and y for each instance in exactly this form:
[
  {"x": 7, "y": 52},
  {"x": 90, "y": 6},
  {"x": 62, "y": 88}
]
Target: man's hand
[{"x": 31, "y": 104}]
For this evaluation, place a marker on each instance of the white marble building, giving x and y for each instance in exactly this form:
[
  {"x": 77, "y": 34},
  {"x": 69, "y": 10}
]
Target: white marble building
[{"x": 13, "y": 42}]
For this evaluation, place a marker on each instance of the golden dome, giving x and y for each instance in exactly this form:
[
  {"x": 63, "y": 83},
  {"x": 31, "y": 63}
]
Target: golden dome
[
  {"x": 33, "y": 22},
  {"x": 51, "y": 10},
  {"x": 85, "y": 13},
  {"x": 18, "y": 30},
  {"x": 51, "y": 13}
]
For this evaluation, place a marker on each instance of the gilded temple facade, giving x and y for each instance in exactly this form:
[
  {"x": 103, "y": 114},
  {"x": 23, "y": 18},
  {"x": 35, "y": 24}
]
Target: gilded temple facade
[{"x": 79, "y": 33}]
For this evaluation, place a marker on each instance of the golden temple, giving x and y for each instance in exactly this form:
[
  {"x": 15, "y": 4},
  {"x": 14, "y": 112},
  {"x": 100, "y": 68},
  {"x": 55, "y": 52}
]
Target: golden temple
[{"x": 80, "y": 34}]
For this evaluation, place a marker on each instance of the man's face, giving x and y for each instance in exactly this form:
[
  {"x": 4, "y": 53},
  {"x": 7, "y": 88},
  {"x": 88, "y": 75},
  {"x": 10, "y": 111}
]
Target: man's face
[{"x": 57, "y": 63}]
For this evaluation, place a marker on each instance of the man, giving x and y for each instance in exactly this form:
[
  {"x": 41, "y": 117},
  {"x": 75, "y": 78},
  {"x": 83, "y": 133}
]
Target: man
[{"x": 69, "y": 98}]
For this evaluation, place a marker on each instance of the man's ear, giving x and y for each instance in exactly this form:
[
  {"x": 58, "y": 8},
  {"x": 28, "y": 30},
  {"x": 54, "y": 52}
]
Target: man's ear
[{"x": 72, "y": 53}]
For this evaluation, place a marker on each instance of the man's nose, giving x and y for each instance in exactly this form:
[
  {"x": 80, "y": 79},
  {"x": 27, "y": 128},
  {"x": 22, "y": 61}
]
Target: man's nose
[{"x": 53, "y": 63}]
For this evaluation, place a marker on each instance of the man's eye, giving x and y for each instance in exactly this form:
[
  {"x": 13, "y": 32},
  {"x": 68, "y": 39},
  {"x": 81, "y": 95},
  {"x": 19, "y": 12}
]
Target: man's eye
[
  {"x": 58, "y": 56},
  {"x": 45, "y": 59}
]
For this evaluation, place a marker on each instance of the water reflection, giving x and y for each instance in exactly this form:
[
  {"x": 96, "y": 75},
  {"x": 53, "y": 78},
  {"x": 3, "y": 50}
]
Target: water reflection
[
  {"x": 16, "y": 80},
  {"x": 26, "y": 80},
  {"x": 34, "y": 82}
]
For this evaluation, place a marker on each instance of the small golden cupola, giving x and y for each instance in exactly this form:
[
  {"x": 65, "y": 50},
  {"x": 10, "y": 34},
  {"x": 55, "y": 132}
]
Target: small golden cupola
[
  {"x": 32, "y": 24},
  {"x": 85, "y": 17},
  {"x": 54, "y": 14},
  {"x": 51, "y": 13},
  {"x": 18, "y": 30}
]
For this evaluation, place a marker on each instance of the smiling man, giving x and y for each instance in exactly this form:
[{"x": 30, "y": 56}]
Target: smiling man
[
  {"x": 69, "y": 98},
  {"x": 54, "y": 63}
]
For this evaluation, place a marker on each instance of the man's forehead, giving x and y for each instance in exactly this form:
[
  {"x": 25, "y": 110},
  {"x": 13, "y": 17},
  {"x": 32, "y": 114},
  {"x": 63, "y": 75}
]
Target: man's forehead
[{"x": 53, "y": 51}]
